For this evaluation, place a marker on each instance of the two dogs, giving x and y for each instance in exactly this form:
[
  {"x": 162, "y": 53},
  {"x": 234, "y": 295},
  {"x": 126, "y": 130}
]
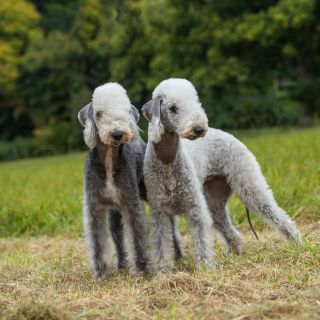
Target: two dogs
[{"x": 180, "y": 176}]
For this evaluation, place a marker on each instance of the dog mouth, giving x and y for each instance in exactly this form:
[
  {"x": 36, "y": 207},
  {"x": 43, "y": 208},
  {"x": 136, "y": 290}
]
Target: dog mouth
[
  {"x": 192, "y": 137},
  {"x": 117, "y": 143},
  {"x": 117, "y": 138},
  {"x": 194, "y": 133}
]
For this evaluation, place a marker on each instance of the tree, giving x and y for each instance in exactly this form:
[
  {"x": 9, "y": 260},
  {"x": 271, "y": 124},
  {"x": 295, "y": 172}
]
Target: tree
[
  {"x": 237, "y": 52},
  {"x": 254, "y": 63},
  {"x": 18, "y": 27}
]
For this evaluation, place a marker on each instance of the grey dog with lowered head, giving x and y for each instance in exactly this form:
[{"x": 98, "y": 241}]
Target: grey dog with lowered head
[
  {"x": 113, "y": 209},
  {"x": 198, "y": 177}
]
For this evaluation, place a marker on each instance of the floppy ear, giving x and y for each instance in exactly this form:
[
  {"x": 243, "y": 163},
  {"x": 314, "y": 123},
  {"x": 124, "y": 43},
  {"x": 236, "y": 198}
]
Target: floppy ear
[
  {"x": 152, "y": 109},
  {"x": 134, "y": 113},
  {"x": 85, "y": 117},
  {"x": 83, "y": 114}
]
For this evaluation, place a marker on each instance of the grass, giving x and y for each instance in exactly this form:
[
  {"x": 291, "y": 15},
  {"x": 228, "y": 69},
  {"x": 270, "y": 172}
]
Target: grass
[
  {"x": 44, "y": 196},
  {"x": 43, "y": 272},
  {"x": 41, "y": 196},
  {"x": 47, "y": 278}
]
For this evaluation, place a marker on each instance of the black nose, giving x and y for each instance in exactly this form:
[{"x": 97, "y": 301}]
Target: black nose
[
  {"x": 198, "y": 130},
  {"x": 117, "y": 135}
]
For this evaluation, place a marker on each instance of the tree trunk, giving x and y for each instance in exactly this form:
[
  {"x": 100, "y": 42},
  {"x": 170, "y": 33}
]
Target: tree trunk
[{"x": 304, "y": 80}]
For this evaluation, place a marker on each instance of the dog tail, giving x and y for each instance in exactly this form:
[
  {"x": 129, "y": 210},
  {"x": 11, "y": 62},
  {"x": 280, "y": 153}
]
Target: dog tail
[{"x": 250, "y": 223}]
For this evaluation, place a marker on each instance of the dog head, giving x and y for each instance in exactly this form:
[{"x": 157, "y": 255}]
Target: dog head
[
  {"x": 110, "y": 117},
  {"x": 175, "y": 106}
]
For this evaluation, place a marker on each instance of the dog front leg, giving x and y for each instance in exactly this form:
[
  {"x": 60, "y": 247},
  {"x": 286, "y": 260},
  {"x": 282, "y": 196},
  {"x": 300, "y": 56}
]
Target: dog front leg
[
  {"x": 200, "y": 226},
  {"x": 117, "y": 232},
  {"x": 162, "y": 241},
  {"x": 135, "y": 237},
  {"x": 97, "y": 237}
]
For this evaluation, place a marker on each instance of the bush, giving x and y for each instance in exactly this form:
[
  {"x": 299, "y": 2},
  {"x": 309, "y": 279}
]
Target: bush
[
  {"x": 61, "y": 136},
  {"x": 20, "y": 148},
  {"x": 56, "y": 138},
  {"x": 251, "y": 111}
]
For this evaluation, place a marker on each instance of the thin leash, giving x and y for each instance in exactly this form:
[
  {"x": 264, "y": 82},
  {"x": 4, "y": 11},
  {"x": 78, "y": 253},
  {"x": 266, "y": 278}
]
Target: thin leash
[{"x": 251, "y": 226}]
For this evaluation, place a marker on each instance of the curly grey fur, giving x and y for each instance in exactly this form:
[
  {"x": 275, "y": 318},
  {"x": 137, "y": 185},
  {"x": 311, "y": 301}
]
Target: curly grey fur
[
  {"x": 199, "y": 176},
  {"x": 113, "y": 181},
  {"x": 126, "y": 219},
  {"x": 173, "y": 188}
]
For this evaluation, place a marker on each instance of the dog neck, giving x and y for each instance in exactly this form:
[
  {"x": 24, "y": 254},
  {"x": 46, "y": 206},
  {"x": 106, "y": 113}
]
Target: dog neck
[
  {"x": 166, "y": 149},
  {"x": 108, "y": 155}
]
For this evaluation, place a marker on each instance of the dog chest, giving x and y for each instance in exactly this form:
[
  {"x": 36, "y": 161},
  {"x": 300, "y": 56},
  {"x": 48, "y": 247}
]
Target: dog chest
[{"x": 171, "y": 186}]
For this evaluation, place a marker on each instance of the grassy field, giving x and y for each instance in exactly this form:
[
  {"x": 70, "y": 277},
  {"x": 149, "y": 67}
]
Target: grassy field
[{"x": 43, "y": 273}]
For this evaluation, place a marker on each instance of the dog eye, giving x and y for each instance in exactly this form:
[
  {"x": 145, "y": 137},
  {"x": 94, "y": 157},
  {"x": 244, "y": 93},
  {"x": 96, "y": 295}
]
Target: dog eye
[
  {"x": 174, "y": 109},
  {"x": 98, "y": 114}
]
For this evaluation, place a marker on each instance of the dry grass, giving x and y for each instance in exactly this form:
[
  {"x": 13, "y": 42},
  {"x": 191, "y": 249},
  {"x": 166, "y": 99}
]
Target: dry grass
[{"x": 47, "y": 278}]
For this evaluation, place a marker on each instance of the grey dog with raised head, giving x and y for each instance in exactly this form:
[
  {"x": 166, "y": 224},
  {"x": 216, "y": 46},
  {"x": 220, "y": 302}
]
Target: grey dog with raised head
[{"x": 198, "y": 177}]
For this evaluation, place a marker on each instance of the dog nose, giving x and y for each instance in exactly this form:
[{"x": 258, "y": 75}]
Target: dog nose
[
  {"x": 117, "y": 135},
  {"x": 197, "y": 130}
]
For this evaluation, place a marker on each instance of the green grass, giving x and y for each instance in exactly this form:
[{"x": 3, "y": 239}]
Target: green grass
[
  {"x": 44, "y": 274},
  {"x": 41, "y": 196},
  {"x": 44, "y": 196}
]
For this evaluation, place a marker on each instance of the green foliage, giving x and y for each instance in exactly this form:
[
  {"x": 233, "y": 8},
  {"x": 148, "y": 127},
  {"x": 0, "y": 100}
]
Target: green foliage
[
  {"x": 254, "y": 63},
  {"x": 58, "y": 137},
  {"x": 44, "y": 196},
  {"x": 241, "y": 111},
  {"x": 18, "y": 26},
  {"x": 20, "y": 148}
]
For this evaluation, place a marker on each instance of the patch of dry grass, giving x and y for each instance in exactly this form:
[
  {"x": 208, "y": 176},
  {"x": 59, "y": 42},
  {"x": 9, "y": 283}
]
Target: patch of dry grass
[{"x": 47, "y": 278}]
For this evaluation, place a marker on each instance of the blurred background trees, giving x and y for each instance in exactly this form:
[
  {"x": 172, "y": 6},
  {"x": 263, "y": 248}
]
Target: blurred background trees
[{"x": 254, "y": 63}]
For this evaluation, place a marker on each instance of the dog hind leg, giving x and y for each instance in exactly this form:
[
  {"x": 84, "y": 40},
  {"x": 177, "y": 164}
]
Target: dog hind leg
[
  {"x": 217, "y": 193},
  {"x": 177, "y": 239},
  {"x": 251, "y": 187}
]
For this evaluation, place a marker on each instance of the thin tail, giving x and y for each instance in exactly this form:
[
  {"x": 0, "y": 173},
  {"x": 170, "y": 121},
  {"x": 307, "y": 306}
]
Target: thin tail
[{"x": 251, "y": 226}]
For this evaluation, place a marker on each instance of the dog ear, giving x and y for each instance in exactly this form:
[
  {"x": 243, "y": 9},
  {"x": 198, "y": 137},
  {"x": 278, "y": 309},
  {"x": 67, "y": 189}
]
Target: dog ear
[
  {"x": 83, "y": 114},
  {"x": 152, "y": 109},
  {"x": 85, "y": 117},
  {"x": 134, "y": 113}
]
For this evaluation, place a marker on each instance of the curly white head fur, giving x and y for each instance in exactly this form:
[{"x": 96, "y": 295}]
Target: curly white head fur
[
  {"x": 109, "y": 117},
  {"x": 175, "y": 106}
]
